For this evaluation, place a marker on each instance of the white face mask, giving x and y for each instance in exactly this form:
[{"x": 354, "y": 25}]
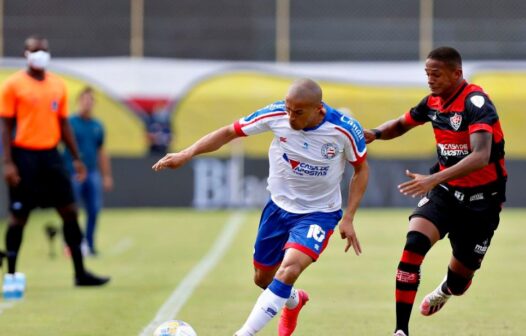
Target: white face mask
[{"x": 38, "y": 60}]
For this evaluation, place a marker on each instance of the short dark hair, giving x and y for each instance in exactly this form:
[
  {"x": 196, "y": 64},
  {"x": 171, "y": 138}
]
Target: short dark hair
[
  {"x": 448, "y": 55},
  {"x": 86, "y": 90},
  {"x": 34, "y": 37}
]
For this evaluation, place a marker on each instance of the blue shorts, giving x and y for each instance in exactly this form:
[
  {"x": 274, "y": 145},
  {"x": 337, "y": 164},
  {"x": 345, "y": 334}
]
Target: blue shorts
[{"x": 280, "y": 230}]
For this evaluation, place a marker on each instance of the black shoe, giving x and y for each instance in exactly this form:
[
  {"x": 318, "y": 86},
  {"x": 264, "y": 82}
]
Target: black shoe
[{"x": 89, "y": 279}]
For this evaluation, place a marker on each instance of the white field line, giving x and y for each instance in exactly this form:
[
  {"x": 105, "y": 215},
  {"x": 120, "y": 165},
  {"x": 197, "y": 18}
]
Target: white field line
[
  {"x": 6, "y": 305},
  {"x": 184, "y": 290},
  {"x": 122, "y": 246}
]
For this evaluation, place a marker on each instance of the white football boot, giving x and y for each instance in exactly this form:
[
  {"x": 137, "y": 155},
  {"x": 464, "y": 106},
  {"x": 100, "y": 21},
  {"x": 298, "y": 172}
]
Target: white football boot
[
  {"x": 399, "y": 333},
  {"x": 434, "y": 301}
]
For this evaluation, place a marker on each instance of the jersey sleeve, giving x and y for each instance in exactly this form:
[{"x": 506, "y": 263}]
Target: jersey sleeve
[
  {"x": 260, "y": 121},
  {"x": 355, "y": 149},
  {"x": 482, "y": 114},
  {"x": 418, "y": 114},
  {"x": 8, "y": 101}
]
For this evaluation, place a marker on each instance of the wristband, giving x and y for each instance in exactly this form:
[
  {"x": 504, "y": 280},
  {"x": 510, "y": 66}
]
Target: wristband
[{"x": 377, "y": 133}]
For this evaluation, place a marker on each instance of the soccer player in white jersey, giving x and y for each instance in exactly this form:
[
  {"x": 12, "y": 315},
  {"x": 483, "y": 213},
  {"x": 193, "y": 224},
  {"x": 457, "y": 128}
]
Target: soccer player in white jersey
[{"x": 312, "y": 144}]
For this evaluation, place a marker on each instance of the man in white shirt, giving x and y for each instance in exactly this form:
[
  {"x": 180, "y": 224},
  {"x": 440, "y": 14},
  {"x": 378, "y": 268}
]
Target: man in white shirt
[{"x": 312, "y": 143}]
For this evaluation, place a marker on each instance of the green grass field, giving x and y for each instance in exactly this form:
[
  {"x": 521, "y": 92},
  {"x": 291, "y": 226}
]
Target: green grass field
[{"x": 148, "y": 252}]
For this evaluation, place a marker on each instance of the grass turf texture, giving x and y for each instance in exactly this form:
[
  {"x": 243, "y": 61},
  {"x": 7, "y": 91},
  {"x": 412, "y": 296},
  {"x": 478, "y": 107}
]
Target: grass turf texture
[{"x": 148, "y": 252}]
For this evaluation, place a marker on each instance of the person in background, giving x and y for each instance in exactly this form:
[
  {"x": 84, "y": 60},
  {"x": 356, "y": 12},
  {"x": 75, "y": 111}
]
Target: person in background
[
  {"x": 33, "y": 112},
  {"x": 89, "y": 134}
]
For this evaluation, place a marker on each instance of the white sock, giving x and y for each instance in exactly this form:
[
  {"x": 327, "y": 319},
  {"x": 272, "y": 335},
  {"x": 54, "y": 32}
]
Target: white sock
[
  {"x": 266, "y": 307},
  {"x": 293, "y": 300}
]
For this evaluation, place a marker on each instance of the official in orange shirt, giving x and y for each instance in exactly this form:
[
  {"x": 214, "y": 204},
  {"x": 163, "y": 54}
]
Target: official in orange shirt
[{"x": 33, "y": 110}]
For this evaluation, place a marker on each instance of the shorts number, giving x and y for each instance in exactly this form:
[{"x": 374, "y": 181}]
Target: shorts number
[{"x": 316, "y": 232}]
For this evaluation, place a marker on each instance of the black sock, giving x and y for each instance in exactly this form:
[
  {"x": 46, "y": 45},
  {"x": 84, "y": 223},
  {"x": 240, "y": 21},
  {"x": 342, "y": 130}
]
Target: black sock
[
  {"x": 408, "y": 277},
  {"x": 13, "y": 241},
  {"x": 403, "y": 313},
  {"x": 73, "y": 237}
]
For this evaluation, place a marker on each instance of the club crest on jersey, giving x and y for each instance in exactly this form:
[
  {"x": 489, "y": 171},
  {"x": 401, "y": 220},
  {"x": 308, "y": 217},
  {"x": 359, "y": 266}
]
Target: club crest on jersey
[
  {"x": 329, "y": 151},
  {"x": 54, "y": 106},
  {"x": 455, "y": 121}
]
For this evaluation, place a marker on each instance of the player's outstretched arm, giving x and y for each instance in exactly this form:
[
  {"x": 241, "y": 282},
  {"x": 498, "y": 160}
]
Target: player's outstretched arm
[
  {"x": 388, "y": 130},
  {"x": 357, "y": 187},
  {"x": 209, "y": 143}
]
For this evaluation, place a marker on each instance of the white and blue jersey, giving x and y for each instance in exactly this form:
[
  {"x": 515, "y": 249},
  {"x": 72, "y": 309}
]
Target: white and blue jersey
[{"x": 306, "y": 166}]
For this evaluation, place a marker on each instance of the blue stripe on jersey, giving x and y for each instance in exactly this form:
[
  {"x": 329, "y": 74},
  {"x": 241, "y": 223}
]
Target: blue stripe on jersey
[
  {"x": 349, "y": 124},
  {"x": 277, "y": 106}
]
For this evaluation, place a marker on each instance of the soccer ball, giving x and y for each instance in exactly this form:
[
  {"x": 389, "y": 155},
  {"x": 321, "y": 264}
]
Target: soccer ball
[{"x": 174, "y": 328}]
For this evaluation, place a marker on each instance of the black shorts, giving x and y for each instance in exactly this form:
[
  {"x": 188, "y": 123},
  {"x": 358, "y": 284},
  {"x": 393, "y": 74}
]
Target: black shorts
[
  {"x": 44, "y": 181},
  {"x": 470, "y": 225}
]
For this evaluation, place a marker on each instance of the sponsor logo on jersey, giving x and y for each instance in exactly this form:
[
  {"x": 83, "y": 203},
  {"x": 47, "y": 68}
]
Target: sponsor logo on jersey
[
  {"x": 357, "y": 129},
  {"x": 478, "y": 101},
  {"x": 453, "y": 149},
  {"x": 329, "y": 150},
  {"x": 282, "y": 139},
  {"x": 54, "y": 106},
  {"x": 455, "y": 121},
  {"x": 302, "y": 168}
]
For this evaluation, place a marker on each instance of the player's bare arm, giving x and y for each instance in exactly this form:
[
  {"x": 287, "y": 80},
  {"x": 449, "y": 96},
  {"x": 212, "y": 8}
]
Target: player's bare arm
[
  {"x": 10, "y": 171},
  {"x": 357, "y": 187},
  {"x": 71, "y": 144},
  {"x": 209, "y": 143},
  {"x": 388, "y": 130},
  {"x": 477, "y": 159}
]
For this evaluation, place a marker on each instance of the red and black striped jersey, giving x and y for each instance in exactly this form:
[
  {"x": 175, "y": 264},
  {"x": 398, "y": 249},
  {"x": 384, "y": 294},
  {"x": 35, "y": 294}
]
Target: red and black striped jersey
[{"x": 469, "y": 110}]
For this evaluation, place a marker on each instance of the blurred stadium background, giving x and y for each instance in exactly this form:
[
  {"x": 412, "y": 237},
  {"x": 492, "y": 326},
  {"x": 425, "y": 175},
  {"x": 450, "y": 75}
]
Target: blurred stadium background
[{"x": 166, "y": 72}]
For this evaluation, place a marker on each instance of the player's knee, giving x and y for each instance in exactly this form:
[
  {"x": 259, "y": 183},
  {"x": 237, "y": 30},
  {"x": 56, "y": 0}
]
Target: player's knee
[
  {"x": 417, "y": 242},
  {"x": 456, "y": 283},
  {"x": 288, "y": 273}
]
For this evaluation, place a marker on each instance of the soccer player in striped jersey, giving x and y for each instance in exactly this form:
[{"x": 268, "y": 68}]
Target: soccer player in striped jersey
[
  {"x": 312, "y": 145},
  {"x": 463, "y": 194}
]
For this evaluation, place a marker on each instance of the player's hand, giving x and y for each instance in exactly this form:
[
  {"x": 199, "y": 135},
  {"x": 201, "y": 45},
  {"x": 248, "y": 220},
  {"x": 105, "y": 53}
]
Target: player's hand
[
  {"x": 11, "y": 174},
  {"x": 370, "y": 136},
  {"x": 418, "y": 186},
  {"x": 347, "y": 232},
  {"x": 80, "y": 170},
  {"x": 172, "y": 160}
]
